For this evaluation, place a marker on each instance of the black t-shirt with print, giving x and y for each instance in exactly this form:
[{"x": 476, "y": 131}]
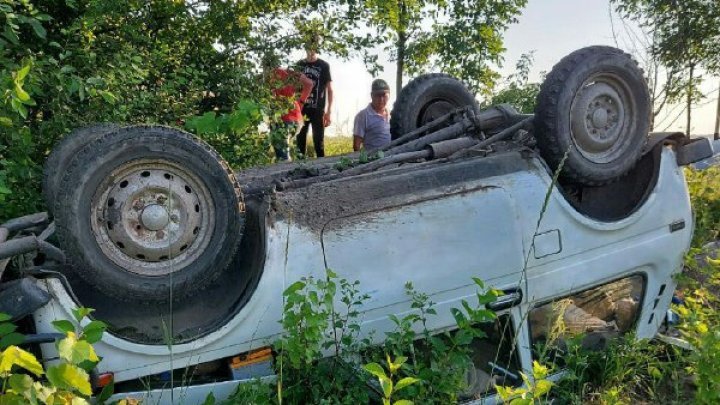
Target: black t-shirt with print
[{"x": 319, "y": 73}]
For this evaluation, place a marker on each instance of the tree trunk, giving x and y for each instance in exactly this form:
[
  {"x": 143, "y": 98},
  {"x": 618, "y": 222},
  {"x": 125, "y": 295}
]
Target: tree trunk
[
  {"x": 401, "y": 45},
  {"x": 689, "y": 100},
  {"x": 400, "y": 62},
  {"x": 716, "y": 135}
]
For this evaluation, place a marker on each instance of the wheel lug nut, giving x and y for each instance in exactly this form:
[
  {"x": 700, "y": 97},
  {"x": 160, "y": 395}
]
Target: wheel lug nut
[
  {"x": 138, "y": 205},
  {"x": 174, "y": 218},
  {"x": 161, "y": 199},
  {"x": 160, "y": 234}
]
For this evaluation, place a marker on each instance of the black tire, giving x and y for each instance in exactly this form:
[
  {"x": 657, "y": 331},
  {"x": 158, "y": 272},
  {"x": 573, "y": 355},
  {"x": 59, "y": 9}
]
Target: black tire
[
  {"x": 595, "y": 105},
  {"x": 146, "y": 213},
  {"x": 59, "y": 159},
  {"x": 426, "y": 98}
]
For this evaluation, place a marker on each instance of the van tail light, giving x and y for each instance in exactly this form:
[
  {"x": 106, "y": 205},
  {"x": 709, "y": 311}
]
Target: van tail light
[{"x": 104, "y": 379}]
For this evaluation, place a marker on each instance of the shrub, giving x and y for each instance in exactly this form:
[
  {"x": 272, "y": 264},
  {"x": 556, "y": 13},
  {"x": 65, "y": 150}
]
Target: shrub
[{"x": 67, "y": 381}]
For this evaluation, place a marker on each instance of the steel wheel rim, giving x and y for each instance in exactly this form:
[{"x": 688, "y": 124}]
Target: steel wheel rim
[
  {"x": 434, "y": 110},
  {"x": 152, "y": 217},
  {"x": 601, "y": 117}
]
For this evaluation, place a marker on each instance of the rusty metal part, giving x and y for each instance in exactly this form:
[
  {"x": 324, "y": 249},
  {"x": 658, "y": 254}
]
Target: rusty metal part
[
  {"x": 366, "y": 168},
  {"x": 444, "y": 134},
  {"x": 524, "y": 124},
  {"x": 445, "y": 149},
  {"x": 152, "y": 217},
  {"x": 675, "y": 138},
  {"x": 430, "y": 126},
  {"x": 394, "y": 159},
  {"x": 28, "y": 221},
  {"x": 29, "y": 244}
]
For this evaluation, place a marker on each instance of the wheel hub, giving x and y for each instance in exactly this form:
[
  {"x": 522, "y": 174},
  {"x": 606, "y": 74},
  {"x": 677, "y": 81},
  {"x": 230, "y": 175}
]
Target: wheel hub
[
  {"x": 598, "y": 118},
  {"x": 154, "y": 218},
  {"x": 435, "y": 110}
]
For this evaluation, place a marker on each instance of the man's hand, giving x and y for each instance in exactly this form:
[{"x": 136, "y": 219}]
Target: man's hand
[{"x": 326, "y": 119}]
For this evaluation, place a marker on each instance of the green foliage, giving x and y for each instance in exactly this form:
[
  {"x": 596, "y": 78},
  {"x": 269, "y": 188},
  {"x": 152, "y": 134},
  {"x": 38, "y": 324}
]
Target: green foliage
[
  {"x": 388, "y": 386},
  {"x": 439, "y": 361},
  {"x": 626, "y": 371},
  {"x": 705, "y": 200},
  {"x": 461, "y": 38},
  {"x": 234, "y": 135},
  {"x": 67, "y": 382},
  {"x": 519, "y": 92},
  {"x": 313, "y": 326},
  {"x": 67, "y": 64},
  {"x": 534, "y": 390},
  {"x": 700, "y": 320},
  {"x": 685, "y": 35}
]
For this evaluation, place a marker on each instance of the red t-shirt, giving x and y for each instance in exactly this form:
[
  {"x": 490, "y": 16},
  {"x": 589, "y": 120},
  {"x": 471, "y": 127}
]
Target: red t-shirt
[{"x": 288, "y": 91}]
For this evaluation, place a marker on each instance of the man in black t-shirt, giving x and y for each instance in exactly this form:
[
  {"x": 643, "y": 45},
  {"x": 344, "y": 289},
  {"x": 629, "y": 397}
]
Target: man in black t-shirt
[{"x": 314, "y": 111}]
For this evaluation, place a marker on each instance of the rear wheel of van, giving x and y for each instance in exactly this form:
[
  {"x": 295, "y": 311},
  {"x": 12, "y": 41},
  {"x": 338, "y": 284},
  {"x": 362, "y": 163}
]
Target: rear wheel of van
[
  {"x": 149, "y": 214},
  {"x": 61, "y": 155},
  {"x": 593, "y": 114},
  {"x": 427, "y": 98}
]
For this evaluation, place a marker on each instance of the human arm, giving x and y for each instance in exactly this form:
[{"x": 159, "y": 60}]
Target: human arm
[
  {"x": 357, "y": 143},
  {"x": 328, "y": 113},
  {"x": 358, "y": 132},
  {"x": 307, "y": 86}
]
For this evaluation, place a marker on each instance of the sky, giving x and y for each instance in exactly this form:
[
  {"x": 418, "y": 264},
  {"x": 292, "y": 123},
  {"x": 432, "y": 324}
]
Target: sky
[{"x": 550, "y": 28}]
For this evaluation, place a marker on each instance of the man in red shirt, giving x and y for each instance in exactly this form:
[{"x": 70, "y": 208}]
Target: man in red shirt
[{"x": 284, "y": 84}]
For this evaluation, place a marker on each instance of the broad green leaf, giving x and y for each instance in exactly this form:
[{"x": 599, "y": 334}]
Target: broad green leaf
[
  {"x": 15, "y": 356},
  {"x": 405, "y": 382},
  {"x": 375, "y": 369},
  {"x": 387, "y": 386},
  {"x": 93, "y": 331},
  {"x": 395, "y": 366},
  {"x": 403, "y": 402},
  {"x": 76, "y": 351},
  {"x": 7, "y": 328},
  {"x": 295, "y": 287},
  {"x": 11, "y": 339},
  {"x": 19, "y": 108},
  {"x": 478, "y": 282},
  {"x": 38, "y": 28},
  {"x": 539, "y": 371},
  {"x": 21, "y": 94},
  {"x": 108, "y": 97},
  {"x": 22, "y": 73},
  {"x": 106, "y": 392},
  {"x": 81, "y": 313},
  {"x": 12, "y": 399},
  {"x": 5, "y": 122},
  {"x": 542, "y": 387},
  {"x": 20, "y": 383},
  {"x": 68, "y": 376},
  {"x": 10, "y": 35},
  {"x": 63, "y": 326},
  {"x": 210, "y": 399},
  {"x": 4, "y": 317}
]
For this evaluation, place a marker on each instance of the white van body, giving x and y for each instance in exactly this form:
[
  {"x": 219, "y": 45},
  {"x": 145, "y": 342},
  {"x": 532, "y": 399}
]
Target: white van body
[{"x": 477, "y": 217}]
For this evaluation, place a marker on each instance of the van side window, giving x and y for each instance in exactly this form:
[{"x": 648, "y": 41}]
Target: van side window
[{"x": 590, "y": 319}]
